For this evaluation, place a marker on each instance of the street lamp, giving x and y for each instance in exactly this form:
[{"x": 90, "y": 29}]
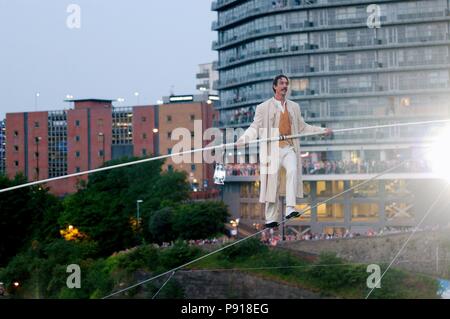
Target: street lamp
[
  {"x": 235, "y": 224},
  {"x": 138, "y": 216}
]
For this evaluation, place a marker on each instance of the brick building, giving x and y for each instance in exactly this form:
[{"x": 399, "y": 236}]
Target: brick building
[{"x": 55, "y": 143}]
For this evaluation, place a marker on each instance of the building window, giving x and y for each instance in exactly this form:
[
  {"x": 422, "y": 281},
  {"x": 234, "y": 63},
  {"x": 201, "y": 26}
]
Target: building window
[
  {"x": 330, "y": 212},
  {"x": 192, "y": 117},
  {"x": 192, "y": 134},
  {"x": 77, "y": 122},
  {"x": 144, "y": 152},
  {"x": 101, "y": 153},
  {"x": 77, "y": 169},
  {"x": 36, "y": 124},
  {"x": 193, "y": 167},
  {"x": 16, "y": 163},
  {"x": 77, "y": 154},
  {"x": 365, "y": 212},
  {"x": 143, "y": 119},
  {"x": 144, "y": 136},
  {"x": 77, "y": 138},
  {"x": 329, "y": 188},
  {"x": 170, "y": 168},
  {"x": 16, "y": 133},
  {"x": 36, "y": 154},
  {"x": 169, "y": 151},
  {"x": 100, "y": 122},
  {"x": 16, "y": 148},
  {"x": 169, "y": 118},
  {"x": 169, "y": 135}
]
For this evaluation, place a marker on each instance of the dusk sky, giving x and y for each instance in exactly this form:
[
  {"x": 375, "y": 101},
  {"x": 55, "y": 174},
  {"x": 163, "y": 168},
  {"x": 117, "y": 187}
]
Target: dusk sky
[{"x": 121, "y": 47}]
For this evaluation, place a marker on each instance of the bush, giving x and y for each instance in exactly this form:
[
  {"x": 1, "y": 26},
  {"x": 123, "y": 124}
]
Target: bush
[
  {"x": 177, "y": 255},
  {"x": 200, "y": 220},
  {"x": 143, "y": 257},
  {"x": 247, "y": 248},
  {"x": 331, "y": 273}
]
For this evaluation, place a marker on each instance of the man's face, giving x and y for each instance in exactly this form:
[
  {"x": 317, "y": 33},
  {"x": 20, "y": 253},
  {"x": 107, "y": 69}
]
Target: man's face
[{"x": 281, "y": 87}]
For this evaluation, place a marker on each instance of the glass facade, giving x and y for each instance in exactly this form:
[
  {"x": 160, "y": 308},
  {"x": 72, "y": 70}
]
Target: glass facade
[
  {"x": 343, "y": 74},
  {"x": 122, "y": 126},
  {"x": 57, "y": 143}
]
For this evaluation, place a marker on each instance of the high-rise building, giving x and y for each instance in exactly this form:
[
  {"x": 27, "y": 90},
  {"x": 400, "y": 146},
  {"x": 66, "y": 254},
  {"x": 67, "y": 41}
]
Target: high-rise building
[
  {"x": 352, "y": 63},
  {"x": 49, "y": 144}
]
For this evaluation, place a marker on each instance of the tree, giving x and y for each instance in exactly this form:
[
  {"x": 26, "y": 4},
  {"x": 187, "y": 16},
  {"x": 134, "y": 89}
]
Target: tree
[
  {"x": 105, "y": 209},
  {"x": 26, "y": 214},
  {"x": 200, "y": 220},
  {"x": 160, "y": 226}
]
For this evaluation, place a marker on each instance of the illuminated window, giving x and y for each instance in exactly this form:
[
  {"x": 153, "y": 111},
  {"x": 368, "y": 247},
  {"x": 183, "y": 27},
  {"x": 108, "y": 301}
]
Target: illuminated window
[
  {"x": 369, "y": 189},
  {"x": 365, "y": 212},
  {"x": 329, "y": 188},
  {"x": 330, "y": 212}
]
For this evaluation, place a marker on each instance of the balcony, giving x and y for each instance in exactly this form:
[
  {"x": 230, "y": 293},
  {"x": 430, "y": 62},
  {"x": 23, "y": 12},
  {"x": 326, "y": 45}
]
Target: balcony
[
  {"x": 203, "y": 75},
  {"x": 309, "y": 27},
  {"x": 220, "y": 4}
]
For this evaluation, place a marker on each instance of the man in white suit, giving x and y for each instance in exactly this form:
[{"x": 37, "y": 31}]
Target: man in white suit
[{"x": 282, "y": 116}]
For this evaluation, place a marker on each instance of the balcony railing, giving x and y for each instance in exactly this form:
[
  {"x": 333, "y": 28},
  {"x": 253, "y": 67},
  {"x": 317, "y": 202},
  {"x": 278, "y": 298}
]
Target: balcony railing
[
  {"x": 338, "y": 167},
  {"x": 310, "y": 26}
]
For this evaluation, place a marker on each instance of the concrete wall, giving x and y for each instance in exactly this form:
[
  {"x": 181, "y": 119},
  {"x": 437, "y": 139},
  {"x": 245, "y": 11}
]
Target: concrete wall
[
  {"x": 427, "y": 252},
  {"x": 235, "y": 284}
]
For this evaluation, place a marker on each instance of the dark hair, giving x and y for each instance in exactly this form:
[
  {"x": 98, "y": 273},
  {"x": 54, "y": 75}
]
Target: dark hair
[{"x": 275, "y": 80}]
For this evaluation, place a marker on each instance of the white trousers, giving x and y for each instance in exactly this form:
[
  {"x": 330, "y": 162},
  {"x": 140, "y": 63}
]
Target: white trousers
[{"x": 288, "y": 159}]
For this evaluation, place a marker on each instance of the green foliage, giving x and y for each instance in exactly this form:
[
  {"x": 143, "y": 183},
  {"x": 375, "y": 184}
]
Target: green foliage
[
  {"x": 142, "y": 257},
  {"x": 106, "y": 207},
  {"x": 330, "y": 273},
  {"x": 160, "y": 226},
  {"x": 41, "y": 270},
  {"x": 200, "y": 220},
  {"x": 245, "y": 249},
  {"x": 26, "y": 214},
  {"x": 178, "y": 254}
]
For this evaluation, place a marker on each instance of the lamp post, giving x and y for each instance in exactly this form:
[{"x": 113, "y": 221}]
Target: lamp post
[
  {"x": 235, "y": 224},
  {"x": 138, "y": 216}
]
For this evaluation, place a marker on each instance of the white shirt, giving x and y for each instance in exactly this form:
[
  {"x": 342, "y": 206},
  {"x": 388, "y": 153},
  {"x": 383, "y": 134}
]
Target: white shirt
[{"x": 279, "y": 105}]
